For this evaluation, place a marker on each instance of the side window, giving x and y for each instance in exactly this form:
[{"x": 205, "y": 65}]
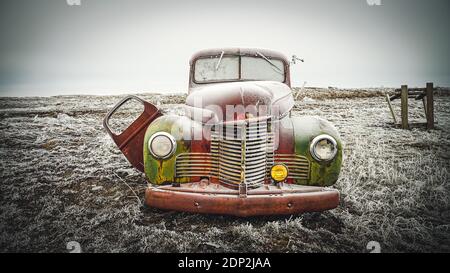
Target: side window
[
  {"x": 209, "y": 69},
  {"x": 254, "y": 68}
]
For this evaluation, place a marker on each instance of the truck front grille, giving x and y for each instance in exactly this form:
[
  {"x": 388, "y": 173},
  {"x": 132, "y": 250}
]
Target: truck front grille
[
  {"x": 241, "y": 152},
  {"x": 241, "y": 148}
]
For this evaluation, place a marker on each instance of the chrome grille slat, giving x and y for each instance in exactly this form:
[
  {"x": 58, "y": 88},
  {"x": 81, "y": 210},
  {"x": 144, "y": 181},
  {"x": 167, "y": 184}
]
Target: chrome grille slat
[
  {"x": 257, "y": 157},
  {"x": 235, "y": 147},
  {"x": 229, "y": 160},
  {"x": 229, "y": 150},
  {"x": 256, "y": 151},
  {"x": 201, "y": 168},
  {"x": 256, "y": 165},
  {"x": 253, "y": 173},
  {"x": 229, "y": 168},
  {"x": 232, "y": 178}
]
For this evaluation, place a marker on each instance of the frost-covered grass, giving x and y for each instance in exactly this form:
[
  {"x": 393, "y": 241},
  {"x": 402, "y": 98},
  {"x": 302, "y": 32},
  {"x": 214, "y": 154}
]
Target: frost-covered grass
[{"x": 62, "y": 179}]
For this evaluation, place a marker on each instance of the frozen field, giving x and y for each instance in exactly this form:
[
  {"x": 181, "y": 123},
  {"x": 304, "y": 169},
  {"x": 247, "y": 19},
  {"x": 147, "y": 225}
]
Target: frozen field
[{"x": 62, "y": 179}]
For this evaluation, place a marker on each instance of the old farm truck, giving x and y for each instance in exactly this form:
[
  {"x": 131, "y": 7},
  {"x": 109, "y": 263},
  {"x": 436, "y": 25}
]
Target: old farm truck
[{"x": 236, "y": 149}]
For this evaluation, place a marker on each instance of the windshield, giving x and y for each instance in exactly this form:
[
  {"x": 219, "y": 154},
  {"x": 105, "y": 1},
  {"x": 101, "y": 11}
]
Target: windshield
[{"x": 216, "y": 69}]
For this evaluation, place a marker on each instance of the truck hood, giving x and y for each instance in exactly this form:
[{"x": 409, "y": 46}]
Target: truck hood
[{"x": 259, "y": 98}]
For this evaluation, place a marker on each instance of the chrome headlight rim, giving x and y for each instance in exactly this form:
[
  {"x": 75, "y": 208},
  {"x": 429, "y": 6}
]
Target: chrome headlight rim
[
  {"x": 312, "y": 147},
  {"x": 172, "y": 140}
]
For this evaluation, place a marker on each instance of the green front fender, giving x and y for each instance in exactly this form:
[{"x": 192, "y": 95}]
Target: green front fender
[
  {"x": 161, "y": 171},
  {"x": 306, "y": 128}
]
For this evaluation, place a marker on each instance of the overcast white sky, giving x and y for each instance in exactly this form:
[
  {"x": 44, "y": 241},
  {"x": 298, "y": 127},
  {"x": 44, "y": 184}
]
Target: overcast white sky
[{"x": 115, "y": 46}]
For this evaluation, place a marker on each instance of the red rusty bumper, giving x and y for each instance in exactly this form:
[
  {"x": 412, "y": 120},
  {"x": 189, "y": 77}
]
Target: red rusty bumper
[{"x": 266, "y": 200}]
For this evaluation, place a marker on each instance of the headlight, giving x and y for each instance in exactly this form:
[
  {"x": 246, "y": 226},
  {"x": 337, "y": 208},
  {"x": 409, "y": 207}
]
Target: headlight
[
  {"x": 323, "y": 148},
  {"x": 279, "y": 172},
  {"x": 162, "y": 145}
]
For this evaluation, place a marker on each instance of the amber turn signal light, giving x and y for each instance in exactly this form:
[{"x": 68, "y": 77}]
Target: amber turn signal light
[{"x": 279, "y": 172}]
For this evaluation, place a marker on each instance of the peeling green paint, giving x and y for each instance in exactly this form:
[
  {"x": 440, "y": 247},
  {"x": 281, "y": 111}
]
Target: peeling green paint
[
  {"x": 305, "y": 129},
  {"x": 161, "y": 171}
]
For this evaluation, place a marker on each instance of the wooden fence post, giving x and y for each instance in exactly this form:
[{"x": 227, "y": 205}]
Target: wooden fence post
[
  {"x": 388, "y": 99},
  {"x": 404, "y": 103},
  {"x": 430, "y": 106}
]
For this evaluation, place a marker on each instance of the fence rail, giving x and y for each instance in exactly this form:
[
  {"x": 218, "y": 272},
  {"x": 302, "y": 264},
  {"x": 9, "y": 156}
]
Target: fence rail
[{"x": 404, "y": 93}]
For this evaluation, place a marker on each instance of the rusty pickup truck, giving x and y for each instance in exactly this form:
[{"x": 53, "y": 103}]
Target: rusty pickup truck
[{"x": 236, "y": 149}]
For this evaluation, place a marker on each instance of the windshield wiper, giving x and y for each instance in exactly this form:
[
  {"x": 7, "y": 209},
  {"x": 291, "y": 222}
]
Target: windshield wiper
[
  {"x": 220, "y": 59},
  {"x": 269, "y": 61}
]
